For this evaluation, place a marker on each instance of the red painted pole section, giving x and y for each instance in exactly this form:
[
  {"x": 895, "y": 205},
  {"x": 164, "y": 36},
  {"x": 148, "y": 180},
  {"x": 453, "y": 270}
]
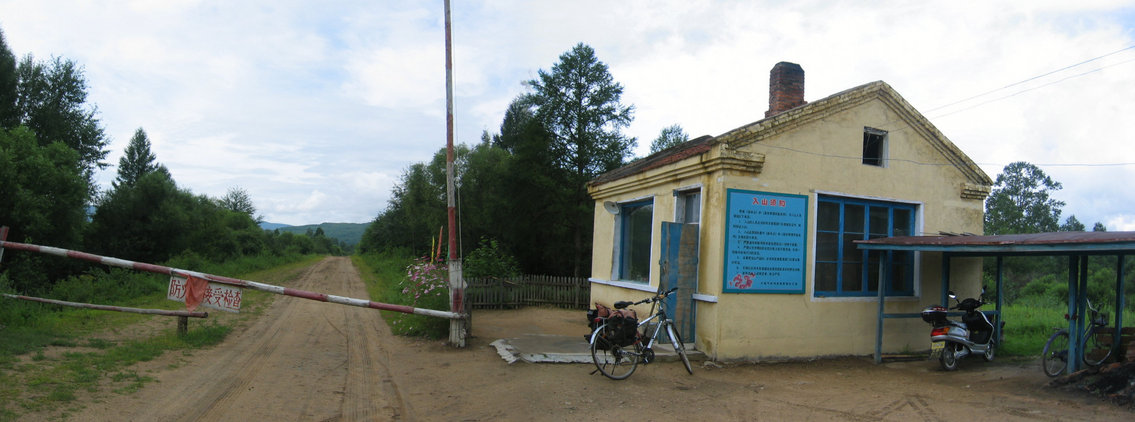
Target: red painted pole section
[
  {"x": 456, "y": 281},
  {"x": 3, "y": 237},
  {"x": 112, "y": 308},
  {"x": 161, "y": 269},
  {"x": 449, "y": 176}
]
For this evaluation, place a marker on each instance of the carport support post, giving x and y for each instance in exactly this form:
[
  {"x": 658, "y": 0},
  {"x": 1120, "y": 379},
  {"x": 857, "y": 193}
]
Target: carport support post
[
  {"x": 1119, "y": 303},
  {"x": 1074, "y": 308},
  {"x": 945, "y": 279},
  {"x": 879, "y": 323},
  {"x": 1082, "y": 307},
  {"x": 1000, "y": 283}
]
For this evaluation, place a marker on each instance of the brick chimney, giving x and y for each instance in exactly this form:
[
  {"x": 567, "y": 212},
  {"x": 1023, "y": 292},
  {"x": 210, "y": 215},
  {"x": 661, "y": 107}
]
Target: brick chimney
[{"x": 785, "y": 88}]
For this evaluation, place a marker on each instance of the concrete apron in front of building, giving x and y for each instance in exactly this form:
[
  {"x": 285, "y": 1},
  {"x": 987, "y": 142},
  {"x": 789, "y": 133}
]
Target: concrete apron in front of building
[{"x": 541, "y": 348}]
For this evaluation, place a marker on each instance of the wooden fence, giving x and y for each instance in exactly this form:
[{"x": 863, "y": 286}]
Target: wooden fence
[{"x": 528, "y": 290}]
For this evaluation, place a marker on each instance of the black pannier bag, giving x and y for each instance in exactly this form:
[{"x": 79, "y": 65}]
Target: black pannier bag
[
  {"x": 596, "y": 317},
  {"x": 622, "y": 327}
]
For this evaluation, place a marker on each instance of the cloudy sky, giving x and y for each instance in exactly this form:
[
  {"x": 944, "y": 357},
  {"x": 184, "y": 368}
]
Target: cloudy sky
[{"x": 315, "y": 108}]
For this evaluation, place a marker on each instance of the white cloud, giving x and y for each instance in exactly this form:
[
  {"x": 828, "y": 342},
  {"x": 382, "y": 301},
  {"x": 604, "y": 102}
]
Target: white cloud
[
  {"x": 393, "y": 78},
  {"x": 1125, "y": 222}
]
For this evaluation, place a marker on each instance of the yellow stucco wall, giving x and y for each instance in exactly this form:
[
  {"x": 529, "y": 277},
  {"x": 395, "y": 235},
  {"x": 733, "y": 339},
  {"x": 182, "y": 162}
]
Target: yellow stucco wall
[{"x": 822, "y": 157}]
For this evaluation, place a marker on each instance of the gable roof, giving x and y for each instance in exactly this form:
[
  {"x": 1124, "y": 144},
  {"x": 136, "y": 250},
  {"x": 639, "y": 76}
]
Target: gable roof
[
  {"x": 789, "y": 120},
  {"x": 670, "y": 155}
]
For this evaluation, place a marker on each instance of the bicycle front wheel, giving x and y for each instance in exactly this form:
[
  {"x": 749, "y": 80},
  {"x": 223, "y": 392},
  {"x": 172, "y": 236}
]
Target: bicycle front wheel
[
  {"x": 613, "y": 361},
  {"x": 1096, "y": 350},
  {"x": 1054, "y": 359},
  {"x": 679, "y": 346}
]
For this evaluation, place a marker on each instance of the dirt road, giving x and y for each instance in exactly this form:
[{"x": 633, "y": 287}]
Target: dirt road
[
  {"x": 311, "y": 361},
  {"x": 300, "y": 360}
]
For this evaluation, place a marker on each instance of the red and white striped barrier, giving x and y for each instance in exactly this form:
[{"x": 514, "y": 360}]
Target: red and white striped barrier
[
  {"x": 287, "y": 291},
  {"x": 111, "y": 308}
]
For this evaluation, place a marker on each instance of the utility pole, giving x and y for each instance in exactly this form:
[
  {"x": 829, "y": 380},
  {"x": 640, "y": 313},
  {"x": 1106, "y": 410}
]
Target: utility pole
[{"x": 456, "y": 281}]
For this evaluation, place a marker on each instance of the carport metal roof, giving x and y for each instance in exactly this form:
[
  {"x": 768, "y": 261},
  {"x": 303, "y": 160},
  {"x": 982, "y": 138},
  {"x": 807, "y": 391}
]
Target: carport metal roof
[
  {"x": 1075, "y": 245},
  {"x": 1058, "y": 243}
]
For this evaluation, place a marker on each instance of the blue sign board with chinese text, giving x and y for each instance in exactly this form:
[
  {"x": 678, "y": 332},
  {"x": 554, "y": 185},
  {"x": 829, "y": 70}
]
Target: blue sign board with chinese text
[{"x": 765, "y": 239}]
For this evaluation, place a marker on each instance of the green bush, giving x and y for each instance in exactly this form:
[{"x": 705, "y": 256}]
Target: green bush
[
  {"x": 394, "y": 278},
  {"x": 1038, "y": 289},
  {"x": 490, "y": 260},
  {"x": 1101, "y": 285},
  {"x": 425, "y": 285},
  {"x": 113, "y": 286}
]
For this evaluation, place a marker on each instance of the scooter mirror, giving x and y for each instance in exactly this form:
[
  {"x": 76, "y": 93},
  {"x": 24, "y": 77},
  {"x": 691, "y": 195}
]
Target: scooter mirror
[{"x": 952, "y": 295}]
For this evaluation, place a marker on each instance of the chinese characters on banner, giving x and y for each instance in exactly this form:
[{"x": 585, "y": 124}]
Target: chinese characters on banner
[
  {"x": 764, "y": 242},
  {"x": 221, "y": 297}
]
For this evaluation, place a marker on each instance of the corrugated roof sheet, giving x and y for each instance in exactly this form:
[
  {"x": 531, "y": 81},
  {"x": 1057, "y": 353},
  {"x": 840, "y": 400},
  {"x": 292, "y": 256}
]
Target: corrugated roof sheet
[{"x": 1055, "y": 242}]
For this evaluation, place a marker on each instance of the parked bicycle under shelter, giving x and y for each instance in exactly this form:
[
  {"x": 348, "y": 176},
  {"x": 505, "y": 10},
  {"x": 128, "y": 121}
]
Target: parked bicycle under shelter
[{"x": 1077, "y": 246}]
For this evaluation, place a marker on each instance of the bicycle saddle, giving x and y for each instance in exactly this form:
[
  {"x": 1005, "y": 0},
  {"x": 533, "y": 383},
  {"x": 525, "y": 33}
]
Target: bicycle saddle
[{"x": 623, "y": 304}]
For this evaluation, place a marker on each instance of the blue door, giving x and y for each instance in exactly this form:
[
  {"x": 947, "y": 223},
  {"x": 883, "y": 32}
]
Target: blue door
[{"x": 679, "y": 267}]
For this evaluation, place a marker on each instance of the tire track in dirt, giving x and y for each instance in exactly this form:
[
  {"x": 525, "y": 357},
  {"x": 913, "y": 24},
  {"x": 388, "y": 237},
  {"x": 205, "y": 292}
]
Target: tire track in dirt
[
  {"x": 221, "y": 399},
  {"x": 300, "y": 360},
  {"x": 368, "y": 355}
]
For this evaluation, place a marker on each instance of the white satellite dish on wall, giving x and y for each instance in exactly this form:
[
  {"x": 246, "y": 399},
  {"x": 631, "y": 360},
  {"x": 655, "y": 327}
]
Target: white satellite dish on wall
[{"x": 611, "y": 207}]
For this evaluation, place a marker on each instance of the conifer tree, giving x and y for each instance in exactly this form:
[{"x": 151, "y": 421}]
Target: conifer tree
[{"x": 137, "y": 161}]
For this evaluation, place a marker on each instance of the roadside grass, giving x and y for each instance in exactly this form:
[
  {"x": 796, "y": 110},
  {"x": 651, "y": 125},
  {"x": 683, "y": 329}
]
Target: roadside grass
[
  {"x": 1027, "y": 328},
  {"x": 53, "y": 381},
  {"x": 89, "y": 353},
  {"x": 385, "y": 278}
]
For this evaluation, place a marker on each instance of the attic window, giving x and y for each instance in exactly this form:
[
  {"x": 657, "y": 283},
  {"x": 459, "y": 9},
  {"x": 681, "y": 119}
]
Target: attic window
[{"x": 874, "y": 146}]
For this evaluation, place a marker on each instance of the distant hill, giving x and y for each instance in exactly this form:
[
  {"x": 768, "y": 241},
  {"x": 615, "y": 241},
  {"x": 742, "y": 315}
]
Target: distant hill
[
  {"x": 272, "y": 226},
  {"x": 348, "y": 233}
]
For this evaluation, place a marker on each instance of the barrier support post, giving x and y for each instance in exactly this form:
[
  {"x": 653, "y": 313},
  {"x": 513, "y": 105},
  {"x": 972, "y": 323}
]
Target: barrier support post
[
  {"x": 182, "y": 325},
  {"x": 3, "y": 237}
]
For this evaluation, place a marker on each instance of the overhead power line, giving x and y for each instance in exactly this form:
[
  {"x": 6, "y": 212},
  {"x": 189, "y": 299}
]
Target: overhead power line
[
  {"x": 1035, "y": 78},
  {"x": 1030, "y": 89}
]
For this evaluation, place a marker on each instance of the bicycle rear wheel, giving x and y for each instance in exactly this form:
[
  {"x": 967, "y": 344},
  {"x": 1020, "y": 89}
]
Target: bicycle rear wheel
[
  {"x": 1095, "y": 350},
  {"x": 613, "y": 361},
  {"x": 679, "y": 346},
  {"x": 1054, "y": 359}
]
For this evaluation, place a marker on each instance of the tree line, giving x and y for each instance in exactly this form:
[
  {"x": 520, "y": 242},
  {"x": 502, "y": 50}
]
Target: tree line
[
  {"x": 523, "y": 189},
  {"x": 52, "y": 143},
  {"x": 522, "y": 192},
  {"x": 1021, "y": 202}
]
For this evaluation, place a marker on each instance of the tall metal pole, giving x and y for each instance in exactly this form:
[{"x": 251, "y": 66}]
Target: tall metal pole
[{"x": 456, "y": 281}]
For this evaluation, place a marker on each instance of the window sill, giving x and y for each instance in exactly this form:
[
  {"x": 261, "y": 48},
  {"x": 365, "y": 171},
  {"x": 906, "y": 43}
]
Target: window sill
[
  {"x": 863, "y": 298},
  {"x": 644, "y": 287}
]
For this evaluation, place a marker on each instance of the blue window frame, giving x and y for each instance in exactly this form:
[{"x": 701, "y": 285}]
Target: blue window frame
[
  {"x": 636, "y": 223},
  {"x": 842, "y": 269}
]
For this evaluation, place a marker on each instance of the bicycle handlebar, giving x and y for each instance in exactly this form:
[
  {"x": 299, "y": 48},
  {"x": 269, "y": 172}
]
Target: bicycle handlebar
[{"x": 657, "y": 297}]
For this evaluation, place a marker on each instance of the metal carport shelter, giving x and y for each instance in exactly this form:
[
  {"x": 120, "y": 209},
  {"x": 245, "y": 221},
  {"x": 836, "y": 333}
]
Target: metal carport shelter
[{"x": 1077, "y": 246}]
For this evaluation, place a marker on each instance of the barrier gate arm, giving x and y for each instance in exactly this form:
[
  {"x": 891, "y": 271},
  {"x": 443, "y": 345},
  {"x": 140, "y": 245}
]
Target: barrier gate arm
[
  {"x": 280, "y": 290},
  {"x": 163, "y": 312}
]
